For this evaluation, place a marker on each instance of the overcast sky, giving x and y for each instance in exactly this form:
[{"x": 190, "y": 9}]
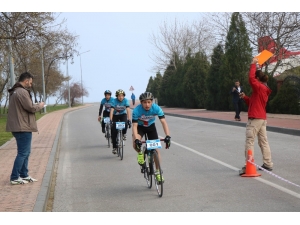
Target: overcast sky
[{"x": 119, "y": 49}]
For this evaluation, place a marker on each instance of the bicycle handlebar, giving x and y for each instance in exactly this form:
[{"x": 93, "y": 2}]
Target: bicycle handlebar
[{"x": 162, "y": 139}]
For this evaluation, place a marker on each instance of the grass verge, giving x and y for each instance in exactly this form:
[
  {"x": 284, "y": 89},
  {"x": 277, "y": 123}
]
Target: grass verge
[{"x": 6, "y": 136}]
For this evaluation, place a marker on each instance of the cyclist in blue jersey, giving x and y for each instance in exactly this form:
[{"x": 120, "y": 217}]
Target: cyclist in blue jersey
[
  {"x": 143, "y": 122},
  {"x": 106, "y": 103},
  {"x": 120, "y": 111}
]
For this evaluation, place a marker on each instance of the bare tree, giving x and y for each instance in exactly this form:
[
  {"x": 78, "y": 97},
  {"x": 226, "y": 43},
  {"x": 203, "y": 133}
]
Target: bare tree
[
  {"x": 76, "y": 92},
  {"x": 40, "y": 37},
  {"x": 278, "y": 30},
  {"x": 179, "y": 39},
  {"x": 219, "y": 23}
]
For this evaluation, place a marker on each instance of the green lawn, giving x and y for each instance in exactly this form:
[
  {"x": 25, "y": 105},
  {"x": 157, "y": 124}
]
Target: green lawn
[{"x": 6, "y": 136}]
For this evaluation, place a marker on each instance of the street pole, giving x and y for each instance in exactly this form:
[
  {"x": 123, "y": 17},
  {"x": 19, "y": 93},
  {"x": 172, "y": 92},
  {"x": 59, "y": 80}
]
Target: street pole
[
  {"x": 81, "y": 80},
  {"x": 43, "y": 76},
  {"x": 68, "y": 85},
  {"x": 81, "y": 75},
  {"x": 11, "y": 65}
]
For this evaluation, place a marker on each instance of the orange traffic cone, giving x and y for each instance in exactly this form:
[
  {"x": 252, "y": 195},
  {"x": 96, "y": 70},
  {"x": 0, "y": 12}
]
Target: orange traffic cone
[{"x": 250, "y": 168}]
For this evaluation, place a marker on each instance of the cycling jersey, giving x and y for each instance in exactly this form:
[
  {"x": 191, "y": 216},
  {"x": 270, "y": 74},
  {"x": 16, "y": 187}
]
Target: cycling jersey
[
  {"x": 120, "y": 107},
  {"x": 107, "y": 105},
  {"x": 146, "y": 118}
]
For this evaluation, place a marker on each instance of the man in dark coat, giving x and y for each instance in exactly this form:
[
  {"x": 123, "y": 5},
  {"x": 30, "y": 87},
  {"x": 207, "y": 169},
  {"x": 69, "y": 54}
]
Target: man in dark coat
[{"x": 237, "y": 101}]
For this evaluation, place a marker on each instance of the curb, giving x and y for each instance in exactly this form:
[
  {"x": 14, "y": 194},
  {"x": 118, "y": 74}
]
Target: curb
[
  {"x": 240, "y": 124},
  {"x": 43, "y": 195}
]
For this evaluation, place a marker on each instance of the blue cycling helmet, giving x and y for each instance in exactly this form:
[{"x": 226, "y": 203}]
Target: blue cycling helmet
[{"x": 107, "y": 92}]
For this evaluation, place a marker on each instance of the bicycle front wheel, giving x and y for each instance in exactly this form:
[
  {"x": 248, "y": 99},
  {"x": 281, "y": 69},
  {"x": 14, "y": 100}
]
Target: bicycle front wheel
[
  {"x": 108, "y": 136},
  {"x": 147, "y": 174},
  {"x": 158, "y": 178},
  {"x": 118, "y": 143},
  {"x": 121, "y": 146}
]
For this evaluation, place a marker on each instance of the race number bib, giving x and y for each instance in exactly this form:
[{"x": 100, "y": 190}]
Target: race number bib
[
  {"x": 120, "y": 125},
  {"x": 106, "y": 120},
  {"x": 153, "y": 144}
]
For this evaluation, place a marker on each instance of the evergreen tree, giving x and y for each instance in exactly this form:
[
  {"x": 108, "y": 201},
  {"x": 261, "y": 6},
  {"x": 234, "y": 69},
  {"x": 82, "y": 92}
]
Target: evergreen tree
[
  {"x": 194, "y": 82},
  {"x": 156, "y": 85},
  {"x": 150, "y": 84},
  {"x": 166, "y": 91},
  {"x": 286, "y": 101},
  {"x": 213, "y": 79},
  {"x": 237, "y": 59}
]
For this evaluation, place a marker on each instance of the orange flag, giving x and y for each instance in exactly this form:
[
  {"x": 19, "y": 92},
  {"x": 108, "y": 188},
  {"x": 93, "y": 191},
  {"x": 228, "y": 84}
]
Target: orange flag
[{"x": 263, "y": 56}]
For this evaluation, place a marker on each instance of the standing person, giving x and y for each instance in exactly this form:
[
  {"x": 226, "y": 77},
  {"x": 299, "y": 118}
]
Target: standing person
[
  {"x": 257, "y": 116},
  {"x": 106, "y": 102},
  {"x": 143, "y": 122},
  {"x": 21, "y": 122},
  {"x": 237, "y": 101},
  {"x": 120, "y": 111},
  {"x": 133, "y": 98}
]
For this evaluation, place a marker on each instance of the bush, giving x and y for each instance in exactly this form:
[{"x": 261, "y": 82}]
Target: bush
[{"x": 286, "y": 101}]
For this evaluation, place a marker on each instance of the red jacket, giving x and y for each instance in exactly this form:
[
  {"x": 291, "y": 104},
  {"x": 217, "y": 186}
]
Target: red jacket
[{"x": 258, "y": 100}]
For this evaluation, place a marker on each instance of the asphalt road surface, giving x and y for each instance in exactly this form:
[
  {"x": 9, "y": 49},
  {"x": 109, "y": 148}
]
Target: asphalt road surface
[{"x": 200, "y": 171}]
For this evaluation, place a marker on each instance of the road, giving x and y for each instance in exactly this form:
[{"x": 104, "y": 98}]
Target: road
[{"x": 200, "y": 171}]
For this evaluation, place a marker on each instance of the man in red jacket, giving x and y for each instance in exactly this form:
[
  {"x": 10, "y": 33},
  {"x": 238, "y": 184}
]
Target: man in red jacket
[{"x": 257, "y": 116}]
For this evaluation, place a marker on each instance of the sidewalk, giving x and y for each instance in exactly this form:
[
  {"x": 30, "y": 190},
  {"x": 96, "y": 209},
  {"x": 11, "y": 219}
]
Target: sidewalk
[{"x": 32, "y": 197}]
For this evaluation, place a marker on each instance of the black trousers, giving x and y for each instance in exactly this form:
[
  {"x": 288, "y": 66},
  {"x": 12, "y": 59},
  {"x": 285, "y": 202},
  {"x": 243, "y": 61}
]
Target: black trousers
[
  {"x": 238, "y": 109},
  {"x": 114, "y": 131}
]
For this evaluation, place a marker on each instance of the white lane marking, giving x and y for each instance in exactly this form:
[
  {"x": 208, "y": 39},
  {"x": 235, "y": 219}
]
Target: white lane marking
[{"x": 236, "y": 169}]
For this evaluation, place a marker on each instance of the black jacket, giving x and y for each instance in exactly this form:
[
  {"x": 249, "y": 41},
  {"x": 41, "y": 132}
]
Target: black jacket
[{"x": 235, "y": 94}]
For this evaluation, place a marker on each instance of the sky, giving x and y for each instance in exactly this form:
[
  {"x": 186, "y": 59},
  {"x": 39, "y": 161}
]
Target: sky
[{"x": 118, "y": 48}]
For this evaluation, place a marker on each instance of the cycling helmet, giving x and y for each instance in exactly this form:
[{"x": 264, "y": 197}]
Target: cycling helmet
[
  {"x": 107, "y": 92},
  {"x": 120, "y": 91},
  {"x": 146, "y": 95}
]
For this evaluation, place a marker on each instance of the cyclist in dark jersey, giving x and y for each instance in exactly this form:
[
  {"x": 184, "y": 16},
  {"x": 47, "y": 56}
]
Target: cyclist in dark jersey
[
  {"x": 120, "y": 111},
  {"x": 106, "y": 103},
  {"x": 143, "y": 122}
]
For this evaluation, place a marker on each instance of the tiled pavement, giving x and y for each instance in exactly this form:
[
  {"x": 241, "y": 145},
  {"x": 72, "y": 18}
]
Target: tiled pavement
[{"x": 32, "y": 197}]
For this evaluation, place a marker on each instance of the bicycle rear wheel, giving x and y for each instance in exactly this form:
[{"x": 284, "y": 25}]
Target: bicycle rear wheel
[
  {"x": 158, "y": 183},
  {"x": 147, "y": 174}
]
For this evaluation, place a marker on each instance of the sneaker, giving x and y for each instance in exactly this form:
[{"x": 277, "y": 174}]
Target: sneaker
[
  {"x": 265, "y": 167},
  {"x": 19, "y": 181},
  {"x": 29, "y": 179},
  {"x": 140, "y": 158},
  {"x": 158, "y": 178},
  {"x": 242, "y": 171},
  {"x": 124, "y": 137},
  {"x": 114, "y": 151}
]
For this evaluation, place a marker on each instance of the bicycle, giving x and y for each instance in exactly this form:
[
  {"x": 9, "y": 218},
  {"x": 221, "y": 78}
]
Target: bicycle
[
  {"x": 106, "y": 120},
  {"x": 120, "y": 142},
  {"x": 151, "y": 158}
]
